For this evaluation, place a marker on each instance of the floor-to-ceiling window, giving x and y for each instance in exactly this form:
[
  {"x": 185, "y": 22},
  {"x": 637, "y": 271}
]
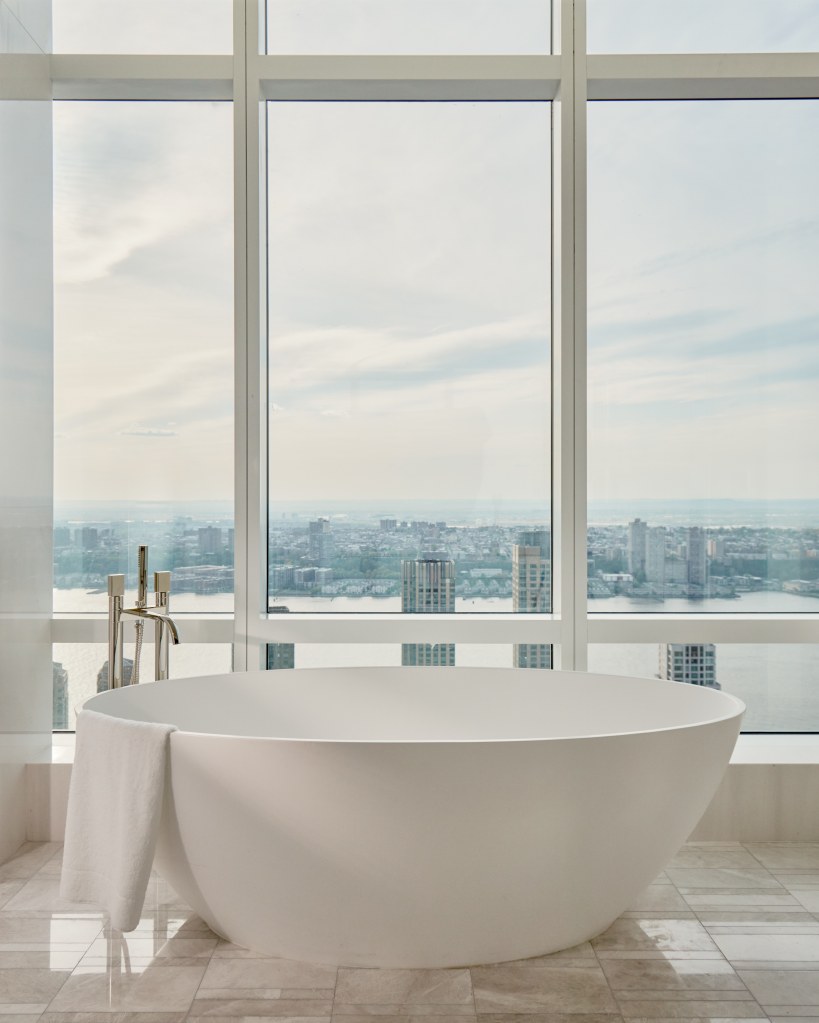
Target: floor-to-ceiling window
[{"x": 517, "y": 335}]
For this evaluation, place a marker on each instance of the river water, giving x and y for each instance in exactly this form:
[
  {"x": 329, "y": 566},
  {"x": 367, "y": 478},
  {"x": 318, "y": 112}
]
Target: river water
[{"x": 778, "y": 682}]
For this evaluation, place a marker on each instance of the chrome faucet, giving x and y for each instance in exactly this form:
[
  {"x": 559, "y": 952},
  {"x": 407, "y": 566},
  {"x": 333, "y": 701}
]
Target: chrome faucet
[{"x": 164, "y": 625}]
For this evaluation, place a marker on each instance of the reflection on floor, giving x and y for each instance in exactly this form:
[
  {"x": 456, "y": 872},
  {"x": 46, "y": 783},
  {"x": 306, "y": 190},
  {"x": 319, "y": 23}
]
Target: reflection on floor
[{"x": 727, "y": 932}]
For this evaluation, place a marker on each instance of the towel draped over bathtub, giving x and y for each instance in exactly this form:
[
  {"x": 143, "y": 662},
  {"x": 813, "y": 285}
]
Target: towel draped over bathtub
[{"x": 114, "y": 809}]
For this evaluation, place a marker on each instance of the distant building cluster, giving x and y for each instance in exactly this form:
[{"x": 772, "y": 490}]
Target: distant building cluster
[
  {"x": 651, "y": 561},
  {"x": 427, "y": 564}
]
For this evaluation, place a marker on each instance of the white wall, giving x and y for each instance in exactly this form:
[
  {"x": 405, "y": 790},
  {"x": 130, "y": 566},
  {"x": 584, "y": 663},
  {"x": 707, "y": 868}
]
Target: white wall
[{"x": 26, "y": 418}]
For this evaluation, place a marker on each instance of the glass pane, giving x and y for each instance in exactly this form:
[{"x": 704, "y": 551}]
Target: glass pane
[
  {"x": 329, "y": 655},
  {"x": 149, "y": 26},
  {"x": 409, "y": 350},
  {"x": 143, "y": 347},
  {"x": 702, "y": 26},
  {"x": 408, "y": 26},
  {"x": 703, "y": 356},
  {"x": 81, "y": 670},
  {"x": 777, "y": 682}
]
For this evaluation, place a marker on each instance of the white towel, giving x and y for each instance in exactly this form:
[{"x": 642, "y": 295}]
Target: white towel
[{"x": 114, "y": 808}]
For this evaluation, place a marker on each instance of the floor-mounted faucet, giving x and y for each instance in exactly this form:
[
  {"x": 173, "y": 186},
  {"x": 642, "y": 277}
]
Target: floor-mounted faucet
[{"x": 164, "y": 625}]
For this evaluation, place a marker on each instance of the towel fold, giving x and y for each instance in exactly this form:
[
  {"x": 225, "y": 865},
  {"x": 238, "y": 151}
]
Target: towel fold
[{"x": 114, "y": 809}]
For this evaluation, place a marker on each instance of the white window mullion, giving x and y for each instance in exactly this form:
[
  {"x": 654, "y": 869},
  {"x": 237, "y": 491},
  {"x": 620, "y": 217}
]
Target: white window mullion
[
  {"x": 242, "y": 255},
  {"x": 568, "y": 295}
]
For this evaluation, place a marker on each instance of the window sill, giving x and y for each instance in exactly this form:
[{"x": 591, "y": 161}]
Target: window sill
[{"x": 768, "y": 749}]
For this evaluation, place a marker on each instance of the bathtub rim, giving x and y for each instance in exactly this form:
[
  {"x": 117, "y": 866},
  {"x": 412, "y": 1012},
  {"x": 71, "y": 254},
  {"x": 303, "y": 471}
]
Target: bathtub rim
[{"x": 736, "y": 711}]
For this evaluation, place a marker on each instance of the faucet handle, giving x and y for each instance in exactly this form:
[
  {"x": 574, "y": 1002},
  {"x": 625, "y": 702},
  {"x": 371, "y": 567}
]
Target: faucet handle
[
  {"x": 116, "y": 585},
  {"x": 162, "y": 582}
]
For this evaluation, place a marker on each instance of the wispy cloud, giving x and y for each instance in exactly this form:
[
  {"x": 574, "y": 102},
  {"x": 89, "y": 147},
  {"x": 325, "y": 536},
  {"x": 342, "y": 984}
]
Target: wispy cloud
[{"x": 148, "y": 431}]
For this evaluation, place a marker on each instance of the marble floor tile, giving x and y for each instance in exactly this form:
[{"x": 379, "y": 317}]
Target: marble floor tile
[
  {"x": 30, "y": 985},
  {"x": 516, "y": 989},
  {"x": 808, "y": 898},
  {"x": 670, "y": 954},
  {"x": 551, "y": 1017},
  {"x": 797, "y": 878},
  {"x": 766, "y": 899},
  {"x": 268, "y": 973},
  {"x": 403, "y": 987},
  {"x": 684, "y": 935},
  {"x": 810, "y": 1011},
  {"x": 52, "y": 958},
  {"x": 52, "y": 867},
  {"x": 791, "y": 919},
  {"x": 786, "y": 855},
  {"x": 248, "y": 1005},
  {"x": 578, "y": 955},
  {"x": 113, "y": 1017},
  {"x": 727, "y": 932},
  {"x": 783, "y": 987},
  {"x": 166, "y": 989},
  {"x": 466, "y": 1016},
  {"x": 788, "y": 947},
  {"x": 713, "y": 854},
  {"x": 49, "y": 929},
  {"x": 9, "y": 889},
  {"x": 132, "y": 947},
  {"x": 665, "y": 974},
  {"x": 660, "y": 1009},
  {"x": 43, "y": 894},
  {"x": 722, "y": 877},
  {"x": 659, "y": 897},
  {"x": 28, "y": 859}
]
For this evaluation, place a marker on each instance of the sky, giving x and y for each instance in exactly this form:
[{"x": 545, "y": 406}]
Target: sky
[
  {"x": 410, "y": 272},
  {"x": 436, "y": 26}
]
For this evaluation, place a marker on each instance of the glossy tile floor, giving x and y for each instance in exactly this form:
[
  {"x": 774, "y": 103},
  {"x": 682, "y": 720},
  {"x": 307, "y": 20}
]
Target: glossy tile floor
[{"x": 727, "y": 932}]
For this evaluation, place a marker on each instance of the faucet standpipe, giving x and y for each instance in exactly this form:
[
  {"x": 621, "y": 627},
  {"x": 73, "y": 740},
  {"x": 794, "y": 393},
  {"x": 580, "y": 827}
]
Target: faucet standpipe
[{"x": 164, "y": 625}]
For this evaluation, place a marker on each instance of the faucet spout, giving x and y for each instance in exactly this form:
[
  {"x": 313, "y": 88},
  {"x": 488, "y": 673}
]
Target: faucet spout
[{"x": 155, "y": 616}]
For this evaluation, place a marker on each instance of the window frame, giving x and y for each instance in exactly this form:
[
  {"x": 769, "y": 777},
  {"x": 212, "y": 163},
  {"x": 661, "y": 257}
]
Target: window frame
[{"x": 569, "y": 79}]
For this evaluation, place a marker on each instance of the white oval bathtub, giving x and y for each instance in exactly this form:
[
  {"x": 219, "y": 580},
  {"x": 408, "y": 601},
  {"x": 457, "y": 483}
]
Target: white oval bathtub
[{"x": 417, "y": 817}]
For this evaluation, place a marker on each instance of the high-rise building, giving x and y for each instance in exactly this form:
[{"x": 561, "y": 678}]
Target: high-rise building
[
  {"x": 62, "y": 536},
  {"x": 280, "y": 655},
  {"x": 531, "y": 592},
  {"x": 655, "y": 555},
  {"x": 89, "y": 538},
  {"x": 637, "y": 537},
  {"x": 210, "y": 540},
  {"x": 695, "y": 663},
  {"x": 102, "y": 674},
  {"x": 428, "y": 587},
  {"x": 321, "y": 543},
  {"x": 59, "y": 697},
  {"x": 697, "y": 558}
]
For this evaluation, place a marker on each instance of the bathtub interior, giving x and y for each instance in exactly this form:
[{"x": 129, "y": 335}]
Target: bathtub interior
[{"x": 418, "y": 704}]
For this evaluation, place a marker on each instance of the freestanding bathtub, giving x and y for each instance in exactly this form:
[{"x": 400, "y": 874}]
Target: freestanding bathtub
[{"x": 417, "y": 817}]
